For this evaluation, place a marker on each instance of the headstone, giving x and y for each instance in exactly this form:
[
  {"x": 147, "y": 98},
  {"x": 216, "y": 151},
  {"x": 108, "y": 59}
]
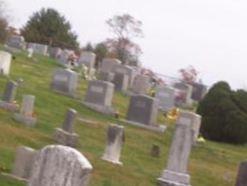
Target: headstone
[
  {"x": 55, "y": 52},
  {"x": 39, "y": 48},
  {"x": 185, "y": 89},
  {"x": 166, "y": 98},
  {"x": 26, "y": 115},
  {"x": 23, "y": 162},
  {"x": 16, "y": 41},
  {"x": 143, "y": 109},
  {"x": 57, "y": 165},
  {"x": 242, "y": 174},
  {"x": 198, "y": 91},
  {"x": 176, "y": 172},
  {"x": 196, "y": 127},
  {"x": 8, "y": 101},
  {"x": 141, "y": 84},
  {"x": 99, "y": 96},
  {"x": 5, "y": 62},
  {"x": 108, "y": 64},
  {"x": 65, "y": 81},
  {"x": 66, "y": 135},
  {"x": 88, "y": 59},
  {"x": 124, "y": 69},
  {"x": 121, "y": 82},
  {"x": 106, "y": 76},
  {"x": 115, "y": 141}
]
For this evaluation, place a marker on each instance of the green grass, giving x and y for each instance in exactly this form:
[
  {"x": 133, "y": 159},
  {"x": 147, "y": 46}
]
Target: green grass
[{"x": 211, "y": 164}]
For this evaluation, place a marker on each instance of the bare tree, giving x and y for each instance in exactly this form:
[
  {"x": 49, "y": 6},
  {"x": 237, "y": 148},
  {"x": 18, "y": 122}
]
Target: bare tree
[{"x": 124, "y": 29}]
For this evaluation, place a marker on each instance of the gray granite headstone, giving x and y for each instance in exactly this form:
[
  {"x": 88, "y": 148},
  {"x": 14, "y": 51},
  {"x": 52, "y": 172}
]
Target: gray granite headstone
[
  {"x": 121, "y": 82},
  {"x": 115, "y": 141},
  {"x": 57, "y": 165},
  {"x": 10, "y": 91},
  {"x": 106, "y": 76},
  {"x": 242, "y": 174},
  {"x": 16, "y": 41},
  {"x": 141, "y": 84},
  {"x": 166, "y": 98},
  {"x": 107, "y": 64},
  {"x": 39, "y": 48},
  {"x": 65, "y": 81},
  {"x": 143, "y": 109},
  {"x": 5, "y": 62},
  {"x": 88, "y": 59},
  {"x": 176, "y": 172},
  {"x": 69, "y": 120}
]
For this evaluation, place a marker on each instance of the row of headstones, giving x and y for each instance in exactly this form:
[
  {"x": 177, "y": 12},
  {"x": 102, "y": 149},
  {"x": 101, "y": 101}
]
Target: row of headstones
[
  {"x": 26, "y": 113},
  {"x": 37, "y": 167}
]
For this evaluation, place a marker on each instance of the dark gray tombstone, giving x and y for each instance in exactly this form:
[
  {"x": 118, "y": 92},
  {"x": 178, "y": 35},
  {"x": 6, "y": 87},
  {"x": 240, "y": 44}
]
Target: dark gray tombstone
[
  {"x": 16, "y": 41},
  {"x": 65, "y": 135},
  {"x": 60, "y": 165},
  {"x": 99, "y": 96},
  {"x": 65, "y": 81},
  {"x": 115, "y": 141},
  {"x": 10, "y": 92},
  {"x": 143, "y": 109},
  {"x": 198, "y": 91},
  {"x": 121, "y": 82},
  {"x": 242, "y": 174}
]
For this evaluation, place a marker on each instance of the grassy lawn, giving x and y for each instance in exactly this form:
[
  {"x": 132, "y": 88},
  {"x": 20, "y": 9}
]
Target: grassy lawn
[{"x": 211, "y": 164}]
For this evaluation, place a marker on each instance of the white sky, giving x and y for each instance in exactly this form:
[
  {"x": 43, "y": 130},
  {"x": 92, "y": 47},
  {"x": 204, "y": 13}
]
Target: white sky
[{"x": 211, "y": 35}]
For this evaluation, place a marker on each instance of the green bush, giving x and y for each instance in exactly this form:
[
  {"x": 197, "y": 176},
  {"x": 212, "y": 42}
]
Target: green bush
[{"x": 224, "y": 114}]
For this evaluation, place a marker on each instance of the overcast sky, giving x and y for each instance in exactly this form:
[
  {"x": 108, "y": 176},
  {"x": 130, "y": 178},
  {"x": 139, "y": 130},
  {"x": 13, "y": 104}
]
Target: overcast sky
[{"x": 210, "y": 35}]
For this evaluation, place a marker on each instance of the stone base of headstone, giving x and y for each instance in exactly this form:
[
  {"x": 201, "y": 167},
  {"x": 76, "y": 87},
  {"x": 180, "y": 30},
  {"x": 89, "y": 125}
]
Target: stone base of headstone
[
  {"x": 69, "y": 94},
  {"x": 65, "y": 138},
  {"x": 170, "y": 178},
  {"x": 155, "y": 128},
  {"x": 13, "y": 107},
  {"x": 101, "y": 109},
  {"x": 105, "y": 158},
  {"x": 27, "y": 120}
]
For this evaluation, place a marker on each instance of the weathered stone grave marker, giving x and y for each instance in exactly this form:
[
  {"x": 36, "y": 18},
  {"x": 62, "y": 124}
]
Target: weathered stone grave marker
[
  {"x": 60, "y": 165},
  {"x": 65, "y": 135},
  {"x": 115, "y": 141},
  {"x": 5, "y": 62},
  {"x": 166, "y": 98}
]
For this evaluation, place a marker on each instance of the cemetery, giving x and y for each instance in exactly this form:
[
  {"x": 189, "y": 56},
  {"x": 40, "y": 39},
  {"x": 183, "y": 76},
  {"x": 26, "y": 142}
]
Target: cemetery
[
  {"x": 96, "y": 116},
  {"x": 107, "y": 148}
]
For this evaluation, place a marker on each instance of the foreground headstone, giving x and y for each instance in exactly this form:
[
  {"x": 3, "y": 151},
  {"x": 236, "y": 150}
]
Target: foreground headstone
[
  {"x": 166, "y": 98},
  {"x": 115, "y": 141},
  {"x": 65, "y": 81},
  {"x": 57, "y": 165},
  {"x": 5, "y": 62},
  {"x": 99, "y": 96},
  {"x": 242, "y": 174},
  {"x": 16, "y": 41},
  {"x": 143, "y": 112},
  {"x": 26, "y": 115},
  {"x": 176, "y": 172},
  {"x": 23, "y": 162},
  {"x": 65, "y": 135},
  {"x": 8, "y": 100},
  {"x": 141, "y": 84}
]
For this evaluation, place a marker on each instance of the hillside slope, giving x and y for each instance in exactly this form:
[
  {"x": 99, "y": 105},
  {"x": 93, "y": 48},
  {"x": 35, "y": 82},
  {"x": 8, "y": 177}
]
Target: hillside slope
[{"x": 210, "y": 163}]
